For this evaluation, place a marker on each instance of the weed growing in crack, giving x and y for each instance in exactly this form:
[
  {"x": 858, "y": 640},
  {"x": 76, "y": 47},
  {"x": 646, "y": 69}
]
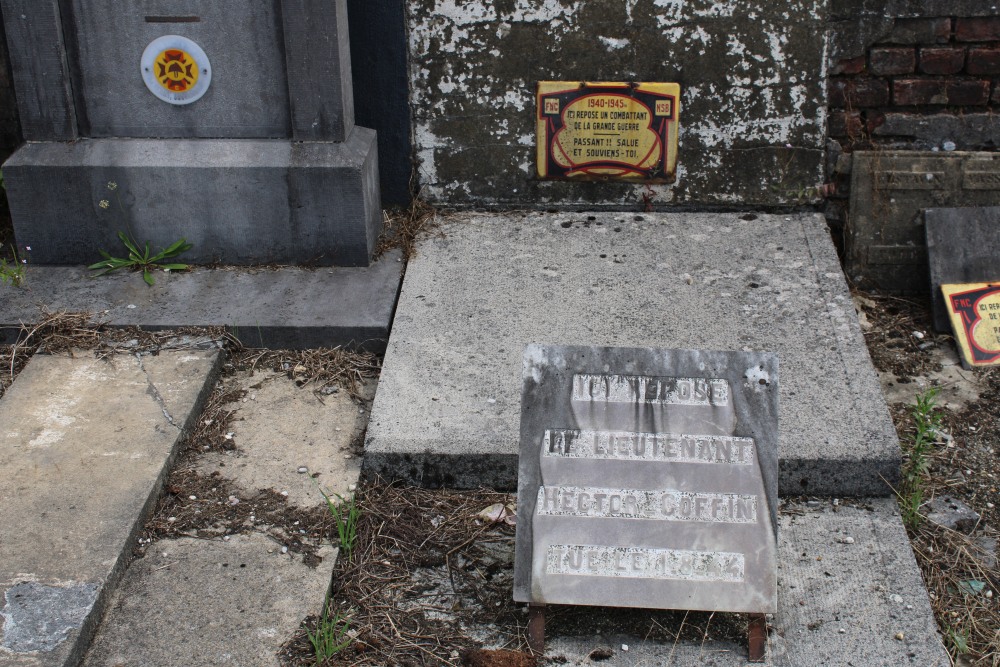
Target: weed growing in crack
[
  {"x": 957, "y": 639},
  {"x": 927, "y": 427},
  {"x": 345, "y": 514},
  {"x": 143, "y": 260},
  {"x": 331, "y": 635}
]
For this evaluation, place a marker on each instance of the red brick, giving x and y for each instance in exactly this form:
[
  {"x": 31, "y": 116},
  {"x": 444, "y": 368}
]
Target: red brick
[
  {"x": 978, "y": 29},
  {"x": 850, "y": 66},
  {"x": 874, "y": 119},
  {"x": 956, "y": 92},
  {"x": 995, "y": 99},
  {"x": 845, "y": 124},
  {"x": 983, "y": 61},
  {"x": 920, "y": 31},
  {"x": 856, "y": 93},
  {"x": 942, "y": 59},
  {"x": 967, "y": 93},
  {"x": 887, "y": 61},
  {"x": 915, "y": 92}
]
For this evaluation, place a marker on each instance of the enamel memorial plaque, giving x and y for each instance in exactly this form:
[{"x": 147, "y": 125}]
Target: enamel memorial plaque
[
  {"x": 648, "y": 478},
  {"x": 607, "y": 131},
  {"x": 974, "y": 310}
]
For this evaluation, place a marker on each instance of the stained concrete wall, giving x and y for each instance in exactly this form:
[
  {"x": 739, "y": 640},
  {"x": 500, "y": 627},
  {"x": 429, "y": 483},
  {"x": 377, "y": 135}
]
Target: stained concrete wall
[{"x": 753, "y": 114}]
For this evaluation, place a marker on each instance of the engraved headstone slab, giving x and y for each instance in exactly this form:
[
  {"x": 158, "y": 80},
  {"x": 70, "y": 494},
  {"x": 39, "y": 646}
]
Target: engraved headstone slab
[
  {"x": 963, "y": 246},
  {"x": 889, "y": 190},
  {"x": 648, "y": 478}
]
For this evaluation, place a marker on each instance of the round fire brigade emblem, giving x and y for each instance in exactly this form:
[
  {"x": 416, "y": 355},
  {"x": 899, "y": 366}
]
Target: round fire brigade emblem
[{"x": 176, "y": 70}]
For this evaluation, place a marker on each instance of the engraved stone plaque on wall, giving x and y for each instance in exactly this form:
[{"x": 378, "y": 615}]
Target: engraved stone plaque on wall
[
  {"x": 648, "y": 478},
  {"x": 885, "y": 241}
]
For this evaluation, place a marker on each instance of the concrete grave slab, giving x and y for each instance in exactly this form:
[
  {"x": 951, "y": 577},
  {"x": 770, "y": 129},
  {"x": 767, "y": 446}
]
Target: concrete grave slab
[
  {"x": 447, "y": 407},
  {"x": 209, "y": 602},
  {"x": 963, "y": 246},
  {"x": 84, "y": 446},
  {"x": 279, "y": 308},
  {"x": 886, "y": 246}
]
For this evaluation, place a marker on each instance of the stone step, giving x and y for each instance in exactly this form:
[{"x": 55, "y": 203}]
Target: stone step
[
  {"x": 85, "y": 444},
  {"x": 447, "y": 410},
  {"x": 849, "y": 593},
  {"x": 284, "y": 307}
]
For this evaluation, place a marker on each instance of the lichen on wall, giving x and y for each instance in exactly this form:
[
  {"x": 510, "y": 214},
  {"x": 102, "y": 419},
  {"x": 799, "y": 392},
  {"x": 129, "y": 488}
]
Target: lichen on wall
[{"x": 753, "y": 94}]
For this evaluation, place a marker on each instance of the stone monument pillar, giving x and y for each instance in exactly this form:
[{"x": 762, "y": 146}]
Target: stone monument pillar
[{"x": 228, "y": 123}]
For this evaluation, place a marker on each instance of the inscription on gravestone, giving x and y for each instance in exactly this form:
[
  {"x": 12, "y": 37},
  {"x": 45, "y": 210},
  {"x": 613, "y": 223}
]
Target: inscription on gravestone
[
  {"x": 885, "y": 242},
  {"x": 648, "y": 478}
]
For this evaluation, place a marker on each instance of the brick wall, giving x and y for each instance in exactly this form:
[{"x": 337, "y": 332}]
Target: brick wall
[{"x": 922, "y": 83}]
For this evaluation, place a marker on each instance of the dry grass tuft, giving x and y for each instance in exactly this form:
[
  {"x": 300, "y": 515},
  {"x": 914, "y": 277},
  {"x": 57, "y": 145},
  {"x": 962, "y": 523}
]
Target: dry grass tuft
[
  {"x": 962, "y": 585},
  {"x": 326, "y": 369},
  {"x": 55, "y": 332},
  {"x": 63, "y": 332},
  {"x": 402, "y": 228},
  {"x": 402, "y": 619}
]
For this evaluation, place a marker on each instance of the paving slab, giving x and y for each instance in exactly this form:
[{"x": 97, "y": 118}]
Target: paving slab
[
  {"x": 202, "y": 602},
  {"x": 286, "y": 307},
  {"x": 85, "y": 444},
  {"x": 448, "y": 403},
  {"x": 848, "y": 585},
  {"x": 291, "y": 440}
]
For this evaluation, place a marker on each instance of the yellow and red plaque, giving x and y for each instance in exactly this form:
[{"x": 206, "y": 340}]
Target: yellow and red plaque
[
  {"x": 974, "y": 310},
  {"x": 176, "y": 70},
  {"x": 608, "y": 131}
]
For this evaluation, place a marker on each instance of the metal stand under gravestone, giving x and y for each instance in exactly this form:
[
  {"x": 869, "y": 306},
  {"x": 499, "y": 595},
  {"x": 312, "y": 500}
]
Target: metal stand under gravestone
[
  {"x": 638, "y": 488},
  {"x": 756, "y": 633},
  {"x": 230, "y": 124}
]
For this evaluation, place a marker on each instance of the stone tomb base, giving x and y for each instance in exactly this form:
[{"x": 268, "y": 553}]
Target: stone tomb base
[{"x": 238, "y": 201}]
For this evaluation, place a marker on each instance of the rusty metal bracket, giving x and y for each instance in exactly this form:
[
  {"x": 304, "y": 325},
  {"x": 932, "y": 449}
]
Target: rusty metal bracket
[
  {"x": 757, "y": 635},
  {"x": 536, "y": 628}
]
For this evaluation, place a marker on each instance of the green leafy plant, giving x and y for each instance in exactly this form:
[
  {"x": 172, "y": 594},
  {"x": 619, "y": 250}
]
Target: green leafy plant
[
  {"x": 958, "y": 639},
  {"x": 331, "y": 635},
  {"x": 345, "y": 514},
  {"x": 12, "y": 272},
  {"x": 927, "y": 423},
  {"x": 144, "y": 260}
]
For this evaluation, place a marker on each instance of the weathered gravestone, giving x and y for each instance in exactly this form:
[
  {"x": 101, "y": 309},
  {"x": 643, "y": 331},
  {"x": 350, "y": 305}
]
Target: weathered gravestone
[
  {"x": 228, "y": 123},
  {"x": 963, "y": 246},
  {"x": 889, "y": 191},
  {"x": 648, "y": 478}
]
